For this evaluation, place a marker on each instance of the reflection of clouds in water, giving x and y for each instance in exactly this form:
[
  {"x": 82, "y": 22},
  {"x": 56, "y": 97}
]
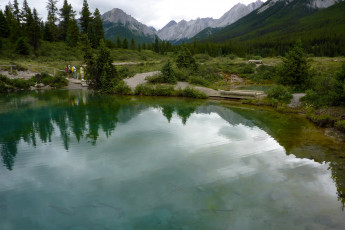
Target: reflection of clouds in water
[{"x": 149, "y": 165}]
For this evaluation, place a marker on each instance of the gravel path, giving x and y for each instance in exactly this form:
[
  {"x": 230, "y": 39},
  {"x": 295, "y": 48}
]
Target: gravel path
[
  {"x": 295, "y": 101},
  {"x": 139, "y": 78}
]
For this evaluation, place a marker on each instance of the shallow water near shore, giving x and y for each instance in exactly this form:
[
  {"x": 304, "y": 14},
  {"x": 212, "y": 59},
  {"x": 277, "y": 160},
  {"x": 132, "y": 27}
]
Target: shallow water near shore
[{"x": 77, "y": 160}]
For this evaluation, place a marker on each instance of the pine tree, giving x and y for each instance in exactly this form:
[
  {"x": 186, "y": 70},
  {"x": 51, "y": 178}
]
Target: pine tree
[
  {"x": 34, "y": 32},
  {"x": 13, "y": 23},
  {"x": 85, "y": 17},
  {"x": 185, "y": 59},
  {"x": 118, "y": 42},
  {"x": 92, "y": 35},
  {"x": 27, "y": 19},
  {"x": 132, "y": 44},
  {"x": 295, "y": 70},
  {"x": 156, "y": 45},
  {"x": 22, "y": 47},
  {"x": 16, "y": 11},
  {"x": 125, "y": 44},
  {"x": 73, "y": 35},
  {"x": 66, "y": 14},
  {"x": 98, "y": 27},
  {"x": 4, "y": 28},
  {"x": 52, "y": 19}
]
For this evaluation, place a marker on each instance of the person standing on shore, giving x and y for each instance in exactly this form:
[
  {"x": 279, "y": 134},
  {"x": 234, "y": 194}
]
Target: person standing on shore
[{"x": 74, "y": 70}]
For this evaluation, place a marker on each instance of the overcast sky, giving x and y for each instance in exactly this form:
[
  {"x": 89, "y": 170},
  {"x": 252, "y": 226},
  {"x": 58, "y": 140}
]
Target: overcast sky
[{"x": 156, "y": 13}]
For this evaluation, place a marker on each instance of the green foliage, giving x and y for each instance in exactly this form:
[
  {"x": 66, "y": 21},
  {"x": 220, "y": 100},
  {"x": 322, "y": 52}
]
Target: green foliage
[
  {"x": 327, "y": 90},
  {"x": 295, "y": 71},
  {"x": 22, "y": 47},
  {"x": 265, "y": 73},
  {"x": 185, "y": 59},
  {"x": 4, "y": 27},
  {"x": 122, "y": 88},
  {"x": 151, "y": 90},
  {"x": 10, "y": 85},
  {"x": 191, "y": 92},
  {"x": 168, "y": 73},
  {"x": 100, "y": 72},
  {"x": 340, "y": 125},
  {"x": 198, "y": 81},
  {"x": 58, "y": 81},
  {"x": 322, "y": 120},
  {"x": 279, "y": 93},
  {"x": 85, "y": 18}
]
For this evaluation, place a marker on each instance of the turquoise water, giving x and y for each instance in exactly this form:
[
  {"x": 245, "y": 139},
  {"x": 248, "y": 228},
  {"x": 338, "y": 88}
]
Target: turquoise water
[{"x": 75, "y": 160}]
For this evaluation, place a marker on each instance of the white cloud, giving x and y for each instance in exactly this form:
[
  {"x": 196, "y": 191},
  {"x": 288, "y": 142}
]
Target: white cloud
[{"x": 156, "y": 13}]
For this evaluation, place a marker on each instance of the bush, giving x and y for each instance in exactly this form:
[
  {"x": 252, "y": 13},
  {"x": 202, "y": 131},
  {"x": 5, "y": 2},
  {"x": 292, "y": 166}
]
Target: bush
[
  {"x": 322, "y": 120},
  {"x": 124, "y": 72},
  {"x": 164, "y": 90},
  {"x": 340, "y": 125},
  {"x": 181, "y": 74},
  {"x": 190, "y": 92},
  {"x": 7, "y": 84},
  {"x": 155, "y": 79},
  {"x": 22, "y": 47},
  {"x": 58, "y": 82},
  {"x": 279, "y": 93},
  {"x": 168, "y": 73},
  {"x": 326, "y": 91},
  {"x": 198, "y": 81},
  {"x": 144, "y": 90},
  {"x": 122, "y": 88}
]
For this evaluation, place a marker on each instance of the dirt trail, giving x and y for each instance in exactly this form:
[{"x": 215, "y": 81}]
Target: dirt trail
[{"x": 140, "y": 79}]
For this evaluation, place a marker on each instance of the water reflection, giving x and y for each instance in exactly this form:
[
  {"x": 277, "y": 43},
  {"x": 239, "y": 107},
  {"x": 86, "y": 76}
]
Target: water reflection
[{"x": 151, "y": 149}]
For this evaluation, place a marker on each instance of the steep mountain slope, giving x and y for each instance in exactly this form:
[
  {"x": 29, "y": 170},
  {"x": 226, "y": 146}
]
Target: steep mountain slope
[
  {"x": 276, "y": 18},
  {"x": 118, "y": 23},
  {"x": 184, "y": 30}
]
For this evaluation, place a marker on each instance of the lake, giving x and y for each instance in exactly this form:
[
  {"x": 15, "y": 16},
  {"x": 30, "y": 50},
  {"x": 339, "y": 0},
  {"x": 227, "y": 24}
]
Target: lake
[{"x": 76, "y": 160}]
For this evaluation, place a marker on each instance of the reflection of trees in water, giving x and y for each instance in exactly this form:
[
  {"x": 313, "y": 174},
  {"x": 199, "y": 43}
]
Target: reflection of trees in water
[
  {"x": 84, "y": 118},
  {"x": 72, "y": 116}
]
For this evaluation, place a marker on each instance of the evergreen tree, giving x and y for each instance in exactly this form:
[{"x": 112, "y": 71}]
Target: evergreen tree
[
  {"x": 13, "y": 23},
  {"x": 67, "y": 15},
  {"x": 295, "y": 70},
  {"x": 27, "y": 18},
  {"x": 118, "y": 42},
  {"x": 73, "y": 35},
  {"x": 100, "y": 72},
  {"x": 185, "y": 59},
  {"x": 125, "y": 44},
  {"x": 98, "y": 27},
  {"x": 34, "y": 32},
  {"x": 132, "y": 44},
  {"x": 4, "y": 27},
  {"x": 85, "y": 18},
  {"x": 52, "y": 19},
  {"x": 92, "y": 35},
  {"x": 144, "y": 46},
  {"x": 22, "y": 47},
  {"x": 156, "y": 45},
  {"x": 16, "y": 11},
  {"x": 139, "y": 47}
]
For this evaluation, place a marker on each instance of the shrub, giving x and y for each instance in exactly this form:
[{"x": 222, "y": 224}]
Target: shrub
[
  {"x": 295, "y": 70},
  {"x": 164, "y": 90},
  {"x": 279, "y": 93},
  {"x": 190, "y": 92},
  {"x": 322, "y": 120},
  {"x": 185, "y": 59},
  {"x": 198, "y": 81},
  {"x": 144, "y": 90},
  {"x": 168, "y": 73},
  {"x": 340, "y": 125},
  {"x": 158, "y": 78},
  {"x": 122, "y": 88},
  {"x": 58, "y": 82},
  {"x": 181, "y": 74},
  {"x": 22, "y": 47}
]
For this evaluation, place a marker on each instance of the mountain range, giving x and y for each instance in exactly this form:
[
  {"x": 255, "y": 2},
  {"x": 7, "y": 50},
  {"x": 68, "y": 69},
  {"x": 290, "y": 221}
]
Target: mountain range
[
  {"x": 258, "y": 20},
  {"x": 118, "y": 23}
]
